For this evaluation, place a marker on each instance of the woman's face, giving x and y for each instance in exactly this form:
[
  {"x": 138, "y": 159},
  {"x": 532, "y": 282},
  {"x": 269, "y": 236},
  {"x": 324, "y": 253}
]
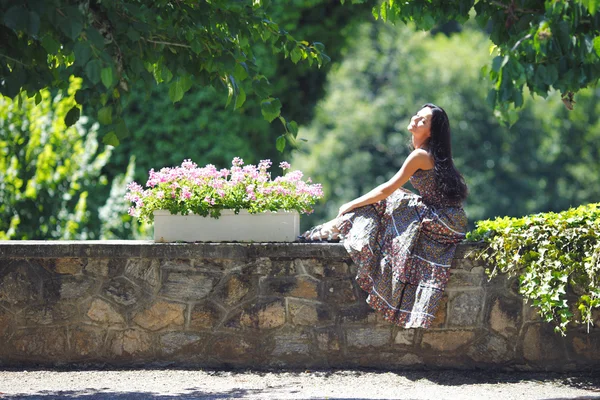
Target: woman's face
[{"x": 420, "y": 124}]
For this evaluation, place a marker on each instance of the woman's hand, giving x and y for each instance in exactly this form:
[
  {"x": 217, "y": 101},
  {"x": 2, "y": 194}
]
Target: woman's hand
[{"x": 345, "y": 208}]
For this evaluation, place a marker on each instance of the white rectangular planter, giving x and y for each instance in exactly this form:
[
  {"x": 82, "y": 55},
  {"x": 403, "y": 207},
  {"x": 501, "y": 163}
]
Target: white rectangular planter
[{"x": 280, "y": 226}]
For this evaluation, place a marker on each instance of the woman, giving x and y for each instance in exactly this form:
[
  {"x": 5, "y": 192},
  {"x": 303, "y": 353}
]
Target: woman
[{"x": 403, "y": 243}]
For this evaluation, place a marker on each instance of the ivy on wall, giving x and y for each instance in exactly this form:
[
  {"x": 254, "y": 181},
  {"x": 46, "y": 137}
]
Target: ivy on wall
[{"x": 550, "y": 252}]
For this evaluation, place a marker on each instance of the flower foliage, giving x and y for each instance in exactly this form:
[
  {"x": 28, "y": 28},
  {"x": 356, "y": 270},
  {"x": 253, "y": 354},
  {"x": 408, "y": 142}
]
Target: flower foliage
[
  {"x": 207, "y": 190},
  {"x": 549, "y": 252}
]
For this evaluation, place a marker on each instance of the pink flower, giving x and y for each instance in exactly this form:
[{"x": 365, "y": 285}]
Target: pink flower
[
  {"x": 185, "y": 193},
  {"x": 264, "y": 164},
  {"x": 284, "y": 165},
  {"x": 238, "y": 162},
  {"x": 209, "y": 200},
  {"x": 132, "y": 211}
]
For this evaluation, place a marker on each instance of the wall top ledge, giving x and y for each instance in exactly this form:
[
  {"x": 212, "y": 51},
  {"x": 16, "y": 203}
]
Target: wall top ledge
[{"x": 150, "y": 249}]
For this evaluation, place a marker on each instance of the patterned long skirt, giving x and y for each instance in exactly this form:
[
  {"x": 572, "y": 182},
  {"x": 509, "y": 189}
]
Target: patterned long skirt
[{"x": 403, "y": 249}]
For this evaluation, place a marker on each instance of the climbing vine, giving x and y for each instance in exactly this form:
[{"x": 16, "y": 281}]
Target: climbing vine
[{"x": 551, "y": 253}]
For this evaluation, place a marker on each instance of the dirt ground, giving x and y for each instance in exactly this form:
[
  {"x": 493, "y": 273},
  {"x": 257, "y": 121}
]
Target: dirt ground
[{"x": 334, "y": 385}]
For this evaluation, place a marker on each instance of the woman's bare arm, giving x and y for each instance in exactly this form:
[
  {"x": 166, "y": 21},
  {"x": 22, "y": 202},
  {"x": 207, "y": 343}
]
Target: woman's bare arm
[{"x": 418, "y": 159}]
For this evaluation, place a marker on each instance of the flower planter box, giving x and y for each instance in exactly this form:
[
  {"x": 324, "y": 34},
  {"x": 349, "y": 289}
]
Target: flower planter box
[{"x": 280, "y": 226}]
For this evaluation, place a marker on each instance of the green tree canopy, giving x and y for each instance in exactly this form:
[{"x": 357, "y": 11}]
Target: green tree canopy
[
  {"x": 538, "y": 44},
  {"x": 113, "y": 44}
]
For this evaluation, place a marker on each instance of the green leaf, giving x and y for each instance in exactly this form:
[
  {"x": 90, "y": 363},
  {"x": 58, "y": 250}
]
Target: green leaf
[
  {"x": 92, "y": 71},
  {"x": 240, "y": 71},
  {"x": 240, "y": 99},
  {"x": 107, "y": 76},
  {"x": 499, "y": 62},
  {"x": 270, "y": 108},
  {"x": 261, "y": 87},
  {"x": 38, "y": 98},
  {"x": 95, "y": 38},
  {"x": 110, "y": 139},
  {"x": 72, "y": 116},
  {"x": 296, "y": 55},
  {"x": 133, "y": 35},
  {"x": 33, "y": 26},
  {"x": 121, "y": 130},
  {"x": 17, "y": 18},
  {"x": 50, "y": 45},
  {"x": 83, "y": 52},
  {"x": 72, "y": 27},
  {"x": 292, "y": 127},
  {"x": 597, "y": 45},
  {"x": 280, "y": 144},
  {"x": 176, "y": 90},
  {"x": 105, "y": 115}
]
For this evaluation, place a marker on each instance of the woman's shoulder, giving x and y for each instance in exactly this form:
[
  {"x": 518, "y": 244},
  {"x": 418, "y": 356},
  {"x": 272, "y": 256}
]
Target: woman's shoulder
[{"x": 422, "y": 159}]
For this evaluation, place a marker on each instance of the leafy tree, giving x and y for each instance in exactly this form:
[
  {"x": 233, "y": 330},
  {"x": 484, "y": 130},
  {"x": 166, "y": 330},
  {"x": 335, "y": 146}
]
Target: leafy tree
[
  {"x": 113, "y": 45},
  {"x": 358, "y": 138},
  {"x": 163, "y": 134},
  {"x": 48, "y": 171},
  {"x": 538, "y": 44}
]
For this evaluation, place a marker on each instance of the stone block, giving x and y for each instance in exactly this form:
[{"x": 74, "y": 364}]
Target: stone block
[
  {"x": 97, "y": 266},
  {"x": 267, "y": 314},
  {"x": 585, "y": 345},
  {"x": 144, "y": 272},
  {"x": 328, "y": 340},
  {"x": 530, "y": 313},
  {"x": 339, "y": 291},
  {"x": 405, "y": 337},
  {"x": 307, "y": 313},
  {"x": 491, "y": 349},
  {"x": 160, "y": 315},
  {"x": 184, "y": 343},
  {"x": 75, "y": 287},
  {"x": 87, "y": 342},
  {"x": 276, "y": 268},
  {"x": 336, "y": 269},
  {"x": 465, "y": 308},
  {"x": 301, "y": 286},
  {"x": 177, "y": 265},
  {"x": 236, "y": 349},
  {"x": 63, "y": 266},
  {"x": 19, "y": 285},
  {"x": 359, "y": 312},
  {"x": 446, "y": 341},
  {"x": 461, "y": 278},
  {"x": 310, "y": 266},
  {"x": 291, "y": 344},
  {"x": 368, "y": 337},
  {"x": 439, "y": 320},
  {"x": 48, "y": 342},
  {"x": 6, "y": 320},
  {"x": 188, "y": 286},
  {"x": 235, "y": 289},
  {"x": 541, "y": 344},
  {"x": 103, "y": 313},
  {"x": 44, "y": 314},
  {"x": 204, "y": 316},
  {"x": 505, "y": 316},
  {"x": 130, "y": 342},
  {"x": 122, "y": 291}
]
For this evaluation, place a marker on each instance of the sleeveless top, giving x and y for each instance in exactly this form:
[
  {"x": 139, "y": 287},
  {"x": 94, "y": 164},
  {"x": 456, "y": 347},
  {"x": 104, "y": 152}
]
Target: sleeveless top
[{"x": 424, "y": 181}]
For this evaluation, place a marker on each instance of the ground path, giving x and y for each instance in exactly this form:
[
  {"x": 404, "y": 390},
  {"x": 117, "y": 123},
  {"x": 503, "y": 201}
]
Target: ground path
[{"x": 167, "y": 384}]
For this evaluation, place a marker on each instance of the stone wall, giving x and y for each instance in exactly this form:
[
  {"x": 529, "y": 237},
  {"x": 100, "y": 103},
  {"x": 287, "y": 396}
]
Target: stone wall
[{"x": 254, "y": 305}]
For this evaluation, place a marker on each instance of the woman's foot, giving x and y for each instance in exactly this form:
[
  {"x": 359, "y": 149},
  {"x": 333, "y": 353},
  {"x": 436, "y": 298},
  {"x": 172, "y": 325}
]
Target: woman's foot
[{"x": 325, "y": 232}]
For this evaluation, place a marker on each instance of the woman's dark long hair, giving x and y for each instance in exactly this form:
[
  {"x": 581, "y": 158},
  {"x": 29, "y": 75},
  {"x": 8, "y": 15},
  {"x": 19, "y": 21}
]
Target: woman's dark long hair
[{"x": 450, "y": 182}]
